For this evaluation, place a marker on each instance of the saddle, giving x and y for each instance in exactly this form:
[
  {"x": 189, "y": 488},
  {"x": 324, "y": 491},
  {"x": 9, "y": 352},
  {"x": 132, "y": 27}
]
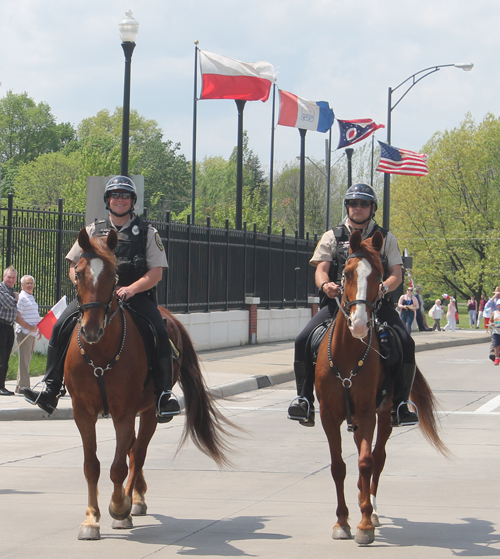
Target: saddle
[{"x": 391, "y": 351}]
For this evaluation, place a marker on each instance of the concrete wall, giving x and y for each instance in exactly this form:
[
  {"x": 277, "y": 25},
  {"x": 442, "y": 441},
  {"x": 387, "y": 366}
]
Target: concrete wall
[{"x": 217, "y": 330}]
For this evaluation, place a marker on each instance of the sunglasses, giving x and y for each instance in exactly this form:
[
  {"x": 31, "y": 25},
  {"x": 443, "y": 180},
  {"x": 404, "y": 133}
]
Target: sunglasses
[
  {"x": 124, "y": 195},
  {"x": 361, "y": 203}
]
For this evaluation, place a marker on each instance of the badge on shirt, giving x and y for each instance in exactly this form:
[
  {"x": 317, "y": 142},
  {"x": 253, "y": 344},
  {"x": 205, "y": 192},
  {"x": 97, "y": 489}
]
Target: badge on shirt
[
  {"x": 135, "y": 230},
  {"x": 159, "y": 244}
]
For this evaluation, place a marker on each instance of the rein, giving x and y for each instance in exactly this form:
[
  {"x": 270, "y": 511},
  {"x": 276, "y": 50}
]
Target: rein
[{"x": 344, "y": 307}]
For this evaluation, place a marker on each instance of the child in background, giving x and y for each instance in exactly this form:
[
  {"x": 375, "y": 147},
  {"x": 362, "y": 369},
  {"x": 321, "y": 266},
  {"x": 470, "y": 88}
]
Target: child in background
[
  {"x": 436, "y": 313},
  {"x": 495, "y": 329}
]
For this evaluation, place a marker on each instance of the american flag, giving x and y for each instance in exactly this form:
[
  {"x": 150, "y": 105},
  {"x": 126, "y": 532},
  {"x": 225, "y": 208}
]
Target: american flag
[{"x": 401, "y": 161}]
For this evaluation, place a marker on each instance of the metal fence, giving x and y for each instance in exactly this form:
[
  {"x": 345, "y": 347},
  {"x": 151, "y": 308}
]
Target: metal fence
[{"x": 210, "y": 268}]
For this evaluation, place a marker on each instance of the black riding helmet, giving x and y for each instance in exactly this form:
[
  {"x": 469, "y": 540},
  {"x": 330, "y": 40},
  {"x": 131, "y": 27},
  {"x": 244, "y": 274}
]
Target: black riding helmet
[
  {"x": 361, "y": 191},
  {"x": 122, "y": 184}
]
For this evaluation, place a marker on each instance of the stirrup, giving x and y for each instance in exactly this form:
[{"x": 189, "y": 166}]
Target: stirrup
[
  {"x": 299, "y": 400},
  {"x": 407, "y": 423},
  {"x": 172, "y": 397}
]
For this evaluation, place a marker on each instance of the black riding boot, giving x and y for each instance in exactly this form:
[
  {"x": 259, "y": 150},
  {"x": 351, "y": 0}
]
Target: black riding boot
[
  {"x": 167, "y": 404},
  {"x": 302, "y": 407},
  {"x": 401, "y": 415},
  {"x": 48, "y": 398}
]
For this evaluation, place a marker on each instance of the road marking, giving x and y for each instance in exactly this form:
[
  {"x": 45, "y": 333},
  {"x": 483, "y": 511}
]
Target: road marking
[{"x": 489, "y": 406}]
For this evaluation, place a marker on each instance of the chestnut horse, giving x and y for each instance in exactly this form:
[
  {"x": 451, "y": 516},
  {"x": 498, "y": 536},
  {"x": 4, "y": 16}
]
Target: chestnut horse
[
  {"x": 349, "y": 375},
  {"x": 106, "y": 369}
]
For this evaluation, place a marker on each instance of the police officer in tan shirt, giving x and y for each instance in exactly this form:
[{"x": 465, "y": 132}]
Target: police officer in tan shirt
[
  {"x": 329, "y": 259},
  {"x": 140, "y": 262}
]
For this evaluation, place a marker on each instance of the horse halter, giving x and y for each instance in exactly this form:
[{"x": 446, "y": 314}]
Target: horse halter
[
  {"x": 345, "y": 305},
  {"x": 97, "y": 304}
]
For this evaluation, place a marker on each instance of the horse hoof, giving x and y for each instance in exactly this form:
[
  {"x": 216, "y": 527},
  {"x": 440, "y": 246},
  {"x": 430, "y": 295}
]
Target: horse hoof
[
  {"x": 127, "y": 507},
  {"x": 341, "y": 533},
  {"x": 139, "y": 510},
  {"x": 89, "y": 532},
  {"x": 365, "y": 537},
  {"x": 375, "y": 520},
  {"x": 125, "y": 524}
]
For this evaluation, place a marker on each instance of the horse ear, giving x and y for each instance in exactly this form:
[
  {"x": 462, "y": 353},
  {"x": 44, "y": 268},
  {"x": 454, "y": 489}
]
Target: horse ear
[
  {"x": 355, "y": 241},
  {"x": 377, "y": 241},
  {"x": 83, "y": 240},
  {"x": 112, "y": 239}
]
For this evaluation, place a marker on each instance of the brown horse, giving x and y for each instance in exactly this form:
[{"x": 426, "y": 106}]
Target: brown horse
[
  {"x": 349, "y": 375},
  {"x": 106, "y": 369}
]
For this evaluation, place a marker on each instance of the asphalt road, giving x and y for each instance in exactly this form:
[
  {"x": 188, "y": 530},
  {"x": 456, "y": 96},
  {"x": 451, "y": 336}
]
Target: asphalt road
[{"x": 279, "y": 499}]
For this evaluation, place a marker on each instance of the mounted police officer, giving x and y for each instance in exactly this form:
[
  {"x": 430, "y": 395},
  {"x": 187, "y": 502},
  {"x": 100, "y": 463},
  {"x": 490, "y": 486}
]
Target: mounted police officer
[
  {"x": 140, "y": 261},
  {"x": 329, "y": 259}
]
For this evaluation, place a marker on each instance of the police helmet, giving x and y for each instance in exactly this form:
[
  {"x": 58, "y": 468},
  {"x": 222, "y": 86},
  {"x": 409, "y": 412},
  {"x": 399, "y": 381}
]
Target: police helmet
[
  {"x": 361, "y": 191},
  {"x": 122, "y": 184}
]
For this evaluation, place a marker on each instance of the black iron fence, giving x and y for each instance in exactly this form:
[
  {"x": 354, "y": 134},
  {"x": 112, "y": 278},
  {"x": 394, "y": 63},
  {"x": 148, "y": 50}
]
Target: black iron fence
[{"x": 210, "y": 268}]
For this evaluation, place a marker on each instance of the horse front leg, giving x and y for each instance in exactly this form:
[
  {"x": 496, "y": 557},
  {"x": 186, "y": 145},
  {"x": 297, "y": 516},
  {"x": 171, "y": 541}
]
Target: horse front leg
[
  {"x": 136, "y": 486},
  {"x": 89, "y": 529},
  {"x": 121, "y": 504},
  {"x": 384, "y": 431},
  {"x": 331, "y": 426},
  {"x": 364, "y": 436}
]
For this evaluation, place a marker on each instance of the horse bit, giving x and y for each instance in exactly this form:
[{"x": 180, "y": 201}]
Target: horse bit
[{"x": 344, "y": 307}]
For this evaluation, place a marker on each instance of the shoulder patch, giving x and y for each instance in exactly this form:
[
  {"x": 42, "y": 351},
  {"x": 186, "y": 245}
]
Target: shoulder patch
[{"x": 159, "y": 244}]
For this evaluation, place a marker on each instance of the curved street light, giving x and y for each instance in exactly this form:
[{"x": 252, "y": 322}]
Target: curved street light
[
  {"x": 413, "y": 80},
  {"x": 128, "y": 29}
]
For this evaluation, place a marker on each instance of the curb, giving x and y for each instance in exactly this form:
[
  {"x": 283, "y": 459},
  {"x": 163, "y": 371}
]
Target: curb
[{"x": 248, "y": 384}]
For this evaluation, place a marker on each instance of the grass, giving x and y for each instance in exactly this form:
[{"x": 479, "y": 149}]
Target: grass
[{"x": 37, "y": 365}]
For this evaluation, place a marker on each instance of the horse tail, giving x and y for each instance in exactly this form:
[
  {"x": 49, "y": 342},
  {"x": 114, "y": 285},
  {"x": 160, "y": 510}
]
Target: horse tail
[
  {"x": 428, "y": 407},
  {"x": 205, "y": 424}
]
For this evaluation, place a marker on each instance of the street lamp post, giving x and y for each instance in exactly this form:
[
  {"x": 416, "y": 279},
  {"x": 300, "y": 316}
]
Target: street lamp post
[
  {"x": 410, "y": 81},
  {"x": 128, "y": 29}
]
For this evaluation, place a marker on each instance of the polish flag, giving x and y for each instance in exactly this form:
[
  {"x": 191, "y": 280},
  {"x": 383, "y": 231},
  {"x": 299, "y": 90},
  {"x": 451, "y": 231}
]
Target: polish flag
[
  {"x": 47, "y": 323},
  {"x": 226, "y": 78}
]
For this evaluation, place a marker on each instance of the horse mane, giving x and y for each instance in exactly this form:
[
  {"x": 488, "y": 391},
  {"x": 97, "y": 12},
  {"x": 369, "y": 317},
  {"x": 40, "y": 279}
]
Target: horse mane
[{"x": 102, "y": 250}]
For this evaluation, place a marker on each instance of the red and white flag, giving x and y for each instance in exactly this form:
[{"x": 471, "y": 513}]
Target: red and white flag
[
  {"x": 226, "y": 78},
  {"x": 47, "y": 323}
]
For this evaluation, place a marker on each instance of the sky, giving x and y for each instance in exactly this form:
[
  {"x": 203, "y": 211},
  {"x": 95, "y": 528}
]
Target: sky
[{"x": 68, "y": 54}]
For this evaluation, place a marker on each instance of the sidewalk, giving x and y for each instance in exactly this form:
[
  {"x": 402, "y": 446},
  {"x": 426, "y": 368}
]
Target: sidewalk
[{"x": 236, "y": 370}]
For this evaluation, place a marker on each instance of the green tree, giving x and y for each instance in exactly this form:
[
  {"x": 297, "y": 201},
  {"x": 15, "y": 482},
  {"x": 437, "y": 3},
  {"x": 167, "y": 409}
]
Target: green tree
[
  {"x": 167, "y": 176},
  {"x": 450, "y": 219},
  {"x": 27, "y": 130},
  {"x": 50, "y": 177}
]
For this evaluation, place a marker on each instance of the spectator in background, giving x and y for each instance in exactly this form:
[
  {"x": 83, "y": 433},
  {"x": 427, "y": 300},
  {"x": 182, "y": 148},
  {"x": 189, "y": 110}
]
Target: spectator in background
[
  {"x": 436, "y": 313},
  {"x": 495, "y": 330},
  {"x": 472, "y": 308},
  {"x": 407, "y": 305},
  {"x": 26, "y": 331},
  {"x": 8, "y": 314},
  {"x": 451, "y": 315},
  {"x": 419, "y": 313},
  {"x": 482, "y": 303}
]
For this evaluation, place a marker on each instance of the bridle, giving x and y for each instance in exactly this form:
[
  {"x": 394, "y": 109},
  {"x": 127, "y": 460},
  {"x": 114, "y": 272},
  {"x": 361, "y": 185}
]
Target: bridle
[
  {"x": 108, "y": 317},
  {"x": 344, "y": 306}
]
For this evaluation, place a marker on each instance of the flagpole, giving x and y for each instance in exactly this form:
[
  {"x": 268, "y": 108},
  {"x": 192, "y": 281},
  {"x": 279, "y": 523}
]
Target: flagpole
[
  {"x": 328, "y": 158},
  {"x": 371, "y": 174},
  {"x": 302, "y": 183},
  {"x": 240, "y": 104},
  {"x": 271, "y": 166},
  {"x": 193, "y": 161},
  {"x": 19, "y": 344}
]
